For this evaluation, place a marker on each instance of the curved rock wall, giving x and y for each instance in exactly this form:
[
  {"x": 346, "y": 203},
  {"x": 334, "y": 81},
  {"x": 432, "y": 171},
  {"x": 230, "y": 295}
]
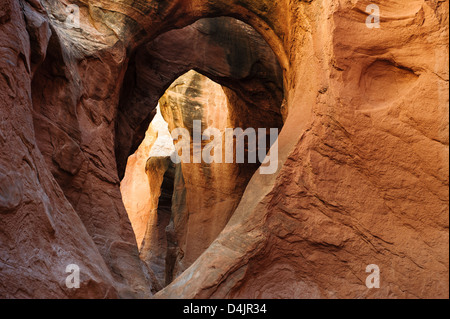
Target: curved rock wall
[
  {"x": 211, "y": 191},
  {"x": 41, "y": 233},
  {"x": 224, "y": 49},
  {"x": 204, "y": 195},
  {"x": 363, "y": 171},
  {"x": 138, "y": 195}
]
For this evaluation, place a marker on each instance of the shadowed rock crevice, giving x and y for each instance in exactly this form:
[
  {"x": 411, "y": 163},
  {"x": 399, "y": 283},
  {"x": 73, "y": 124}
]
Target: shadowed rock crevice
[{"x": 155, "y": 245}]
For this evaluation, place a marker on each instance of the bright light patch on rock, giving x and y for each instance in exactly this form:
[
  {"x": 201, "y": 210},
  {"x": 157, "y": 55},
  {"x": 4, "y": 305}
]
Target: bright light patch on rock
[{"x": 164, "y": 143}]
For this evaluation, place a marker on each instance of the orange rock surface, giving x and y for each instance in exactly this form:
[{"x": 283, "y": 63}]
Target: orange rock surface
[{"x": 363, "y": 171}]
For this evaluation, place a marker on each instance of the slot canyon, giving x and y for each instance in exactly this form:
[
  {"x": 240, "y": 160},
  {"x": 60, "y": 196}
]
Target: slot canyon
[{"x": 93, "y": 93}]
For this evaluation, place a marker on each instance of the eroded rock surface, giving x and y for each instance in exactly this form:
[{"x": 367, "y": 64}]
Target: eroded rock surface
[
  {"x": 41, "y": 233},
  {"x": 224, "y": 49},
  {"x": 177, "y": 220},
  {"x": 363, "y": 170},
  {"x": 208, "y": 193}
]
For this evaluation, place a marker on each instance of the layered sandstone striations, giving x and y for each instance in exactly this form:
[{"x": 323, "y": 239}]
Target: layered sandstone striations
[
  {"x": 363, "y": 170},
  {"x": 139, "y": 196}
]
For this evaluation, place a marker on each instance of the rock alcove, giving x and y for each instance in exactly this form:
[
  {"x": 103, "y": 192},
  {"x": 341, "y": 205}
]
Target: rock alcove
[
  {"x": 362, "y": 175},
  {"x": 172, "y": 235}
]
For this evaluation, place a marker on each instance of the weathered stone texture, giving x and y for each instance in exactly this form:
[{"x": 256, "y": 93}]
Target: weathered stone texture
[{"x": 363, "y": 173}]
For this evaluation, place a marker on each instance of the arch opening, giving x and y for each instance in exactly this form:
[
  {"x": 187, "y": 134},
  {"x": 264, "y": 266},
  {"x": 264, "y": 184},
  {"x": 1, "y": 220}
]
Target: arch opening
[{"x": 222, "y": 73}]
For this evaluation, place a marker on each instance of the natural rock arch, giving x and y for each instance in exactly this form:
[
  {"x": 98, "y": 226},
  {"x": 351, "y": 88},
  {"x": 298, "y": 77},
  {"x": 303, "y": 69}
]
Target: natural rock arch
[
  {"x": 229, "y": 52},
  {"x": 90, "y": 169},
  {"x": 357, "y": 185}
]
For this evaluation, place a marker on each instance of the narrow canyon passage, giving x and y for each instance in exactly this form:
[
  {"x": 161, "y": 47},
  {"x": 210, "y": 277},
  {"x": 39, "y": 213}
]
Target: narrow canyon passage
[
  {"x": 218, "y": 71},
  {"x": 177, "y": 210},
  {"x": 357, "y": 91}
]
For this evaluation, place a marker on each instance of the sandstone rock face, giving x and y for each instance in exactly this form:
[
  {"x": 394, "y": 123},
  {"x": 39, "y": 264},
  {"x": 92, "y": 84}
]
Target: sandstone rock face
[
  {"x": 148, "y": 200},
  {"x": 224, "y": 49},
  {"x": 208, "y": 193},
  {"x": 139, "y": 197},
  {"x": 161, "y": 177},
  {"x": 335, "y": 214},
  {"x": 181, "y": 216},
  {"x": 363, "y": 155},
  {"x": 73, "y": 111},
  {"x": 250, "y": 78},
  {"x": 41, "y": 234}
]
